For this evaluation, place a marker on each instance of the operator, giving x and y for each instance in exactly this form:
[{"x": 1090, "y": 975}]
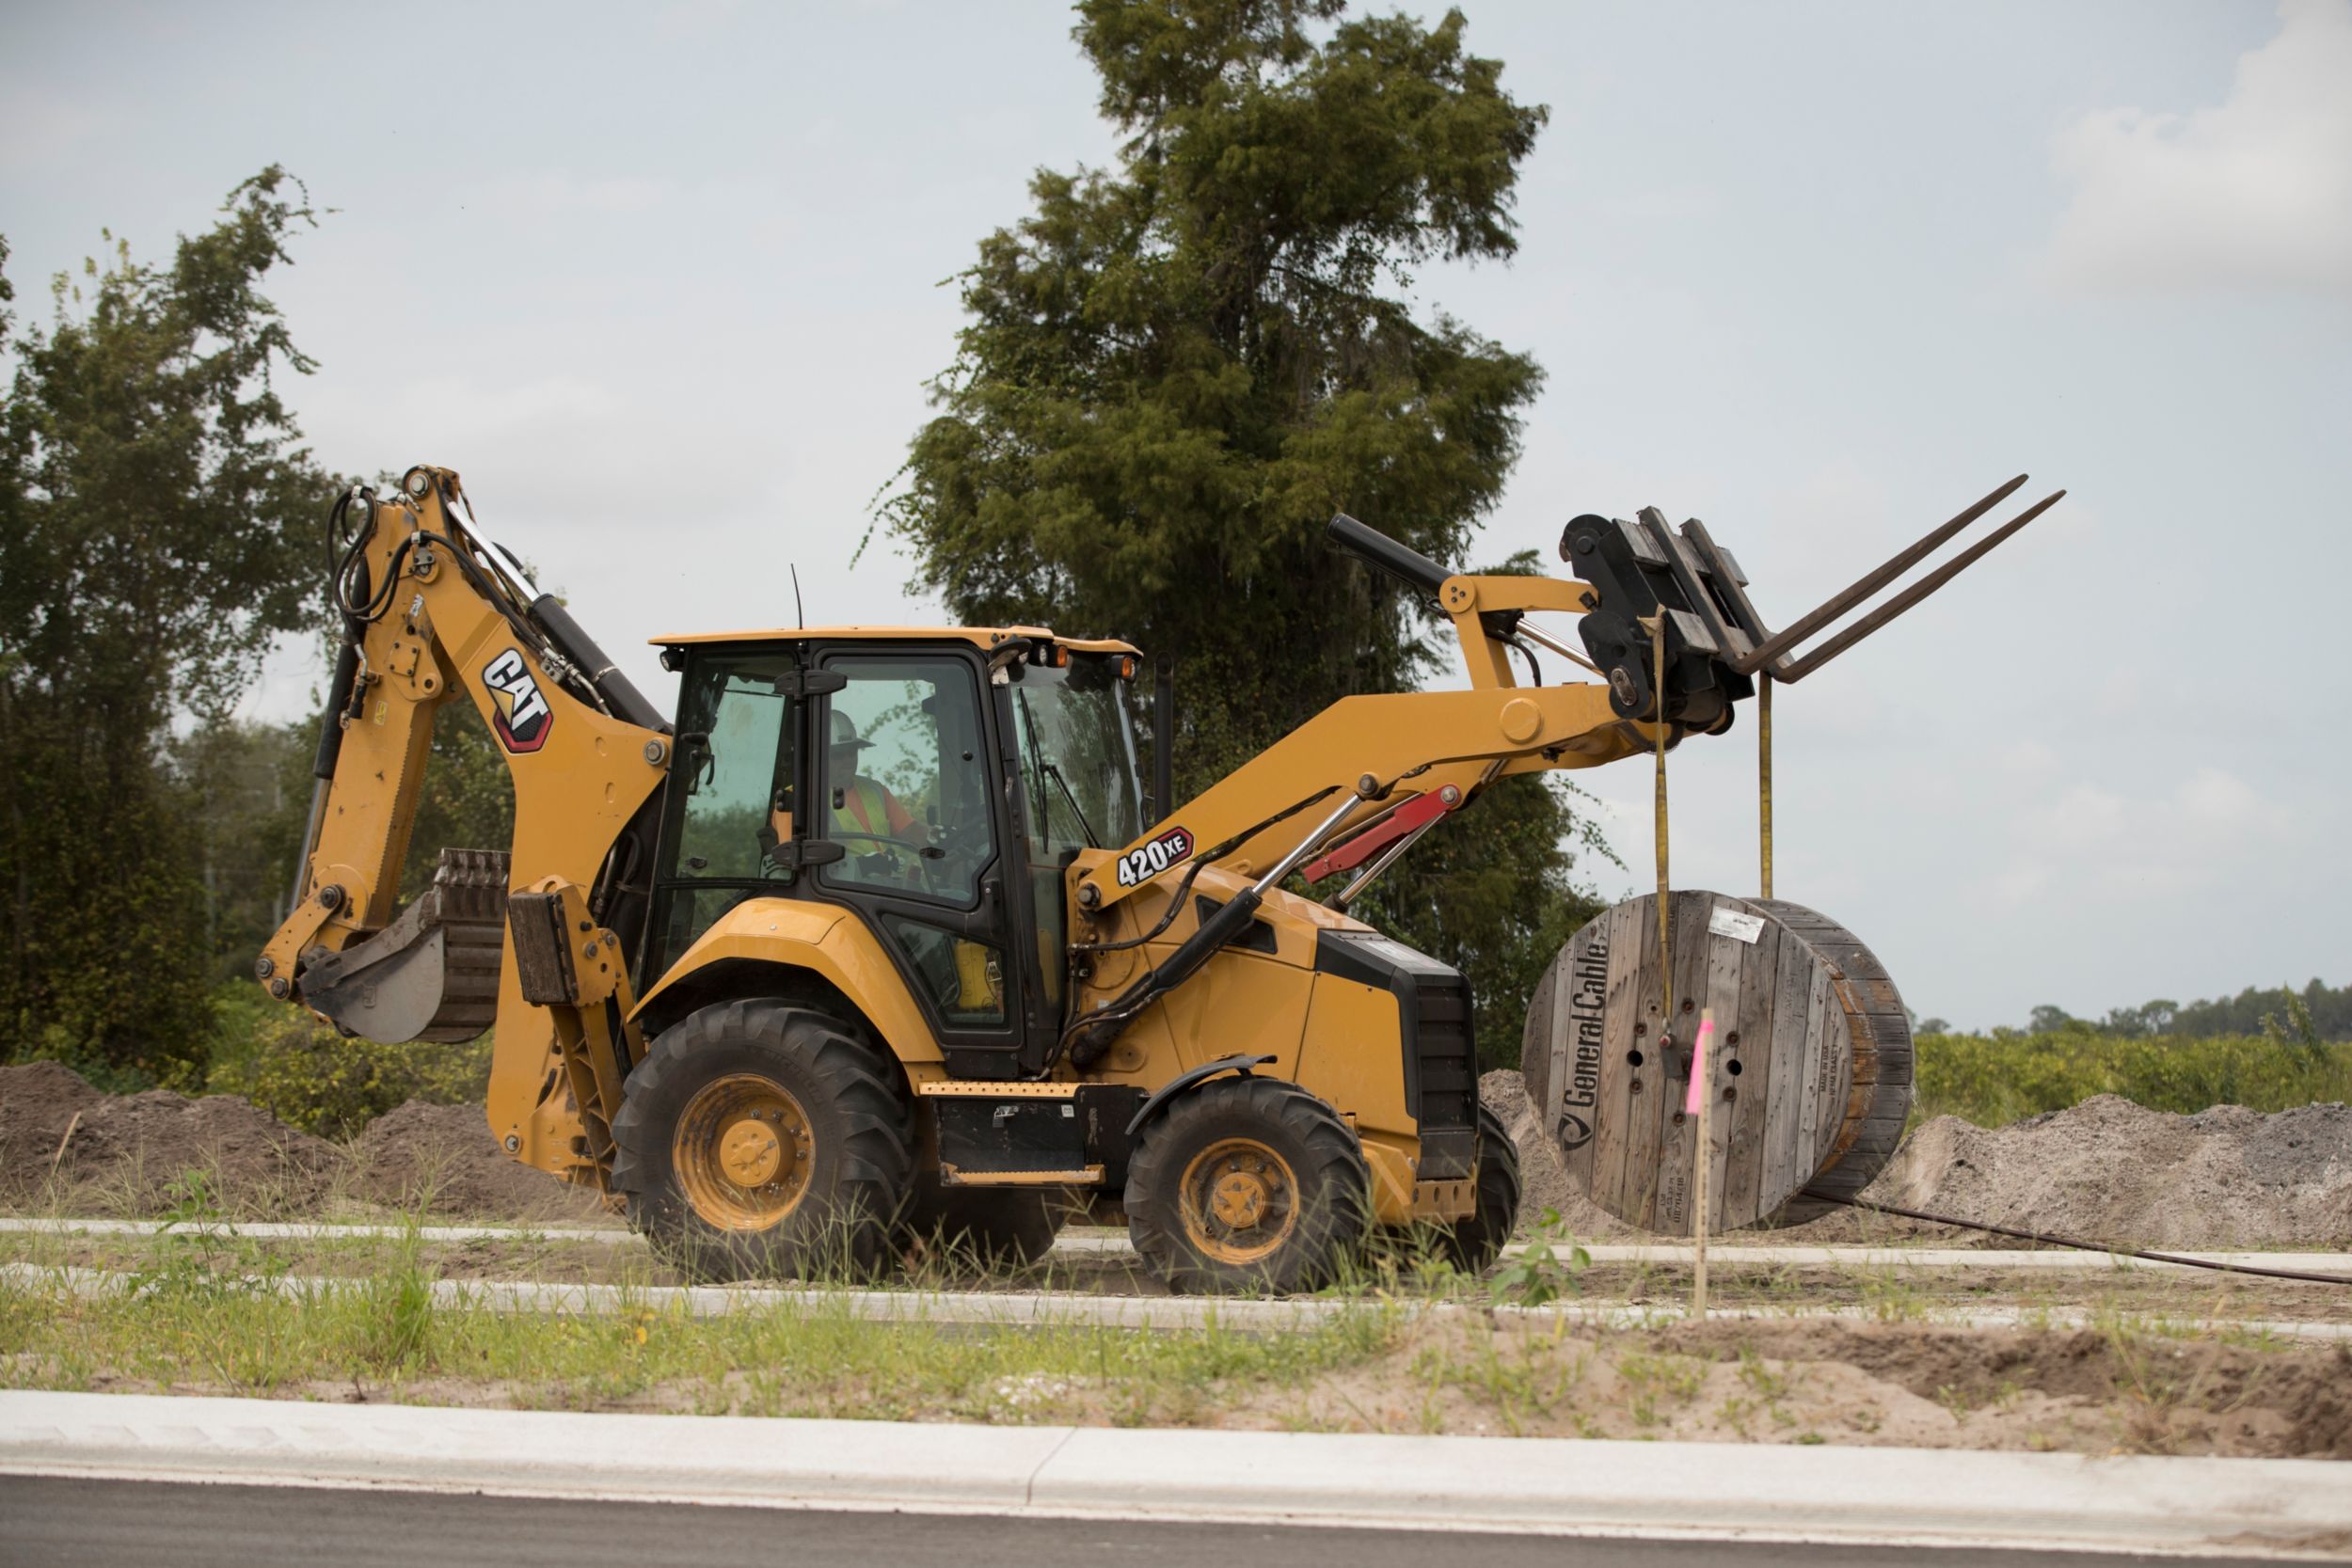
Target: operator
[
  {"x": 863, "y": 810},
  {"x": 861, "y": 805}
]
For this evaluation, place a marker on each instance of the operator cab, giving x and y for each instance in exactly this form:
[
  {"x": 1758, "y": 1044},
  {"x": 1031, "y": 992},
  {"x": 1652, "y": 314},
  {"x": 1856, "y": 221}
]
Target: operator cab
[{"x": 936, "y": 783}]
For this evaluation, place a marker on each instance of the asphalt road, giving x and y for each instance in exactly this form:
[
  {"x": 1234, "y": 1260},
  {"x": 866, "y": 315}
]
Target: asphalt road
[{"x": 49, "y": 1521}]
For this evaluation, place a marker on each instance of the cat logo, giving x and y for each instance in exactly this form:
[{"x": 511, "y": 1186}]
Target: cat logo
[{"x": 523, "y": 717}]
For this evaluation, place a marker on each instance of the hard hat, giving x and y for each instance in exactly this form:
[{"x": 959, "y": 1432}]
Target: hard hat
[{"x": 845, "y": 733}]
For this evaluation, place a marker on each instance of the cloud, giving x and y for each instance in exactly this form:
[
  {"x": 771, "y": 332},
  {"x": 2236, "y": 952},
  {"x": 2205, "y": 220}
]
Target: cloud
[
  {"x": 556, "y": 192},
  {"x": 45, "y": 127},
  {"x": 2095, "y": 846},
  {"x": 2254, "y": 193}
]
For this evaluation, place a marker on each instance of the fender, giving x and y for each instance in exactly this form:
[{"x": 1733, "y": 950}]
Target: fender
[
  {"x": 1186, "y": 1079},
  {"x": 825, "y": 940}
]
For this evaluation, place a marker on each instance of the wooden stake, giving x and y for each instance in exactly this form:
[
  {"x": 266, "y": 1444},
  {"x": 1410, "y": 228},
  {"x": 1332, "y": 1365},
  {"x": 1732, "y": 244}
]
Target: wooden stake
[
  {"x": 1703, "y": 1091},
  {"x": 59, "y": 1158}
]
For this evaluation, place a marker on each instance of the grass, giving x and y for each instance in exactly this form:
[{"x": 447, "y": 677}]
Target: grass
[
  {"x": 203, "y": 1310},
  {"x": 185, "y": 1326},
  {"x": 2002, "y": 1077}
]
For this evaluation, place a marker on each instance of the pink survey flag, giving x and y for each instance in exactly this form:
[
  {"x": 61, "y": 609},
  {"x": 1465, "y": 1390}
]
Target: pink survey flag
[{"x": 1698, "y": 1067}]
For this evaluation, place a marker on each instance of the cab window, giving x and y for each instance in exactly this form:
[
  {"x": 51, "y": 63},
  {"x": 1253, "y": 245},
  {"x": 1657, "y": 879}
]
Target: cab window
[
  {"x": 731, "y": 795},
  {"x": 904, "y": 785}
]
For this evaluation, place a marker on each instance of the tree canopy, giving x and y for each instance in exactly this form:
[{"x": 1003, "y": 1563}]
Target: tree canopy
[
  {"x": 158, "y": 525},
  {"x": 1174, "y": 371}
]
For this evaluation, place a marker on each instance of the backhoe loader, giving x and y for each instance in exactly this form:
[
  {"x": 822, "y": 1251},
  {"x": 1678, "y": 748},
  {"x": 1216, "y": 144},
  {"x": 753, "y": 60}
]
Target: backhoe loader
[{"x": 882, "y": 935}]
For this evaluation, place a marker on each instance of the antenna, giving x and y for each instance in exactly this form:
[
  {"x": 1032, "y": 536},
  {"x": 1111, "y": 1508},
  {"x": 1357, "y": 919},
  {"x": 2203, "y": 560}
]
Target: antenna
[{"x": 796, "y": 611}]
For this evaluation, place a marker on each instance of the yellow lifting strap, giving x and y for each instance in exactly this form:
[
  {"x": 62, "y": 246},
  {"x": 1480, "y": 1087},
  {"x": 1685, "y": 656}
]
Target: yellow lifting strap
[
  {"x": 1658, "y": 710},
  {"x": 1764, "y": 776}
]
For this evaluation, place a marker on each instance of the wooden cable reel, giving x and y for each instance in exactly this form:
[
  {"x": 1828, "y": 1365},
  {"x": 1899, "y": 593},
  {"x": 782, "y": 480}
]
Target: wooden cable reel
[{"x": 1811, "y": 1065}]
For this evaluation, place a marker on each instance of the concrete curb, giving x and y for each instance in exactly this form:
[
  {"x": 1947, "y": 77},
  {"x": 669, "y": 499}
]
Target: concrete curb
[
  {"x": 1889, "y": 1496},
  {"x": 1663, "y": 1254},
  {"x": 1077, "y": 1309},
  {"x": 305, "y": 1231}
]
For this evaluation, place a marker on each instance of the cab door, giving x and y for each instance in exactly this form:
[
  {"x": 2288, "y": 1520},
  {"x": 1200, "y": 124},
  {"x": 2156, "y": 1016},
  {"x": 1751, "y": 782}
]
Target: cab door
[
  {"x": 909, "y": 785},
  {"x": 729, "y": 801}
]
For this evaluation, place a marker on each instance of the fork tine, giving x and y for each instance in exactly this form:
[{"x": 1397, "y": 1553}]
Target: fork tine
[
  {"x": 1913, "y": 594},
  {"x": 1838, "y": 604}
]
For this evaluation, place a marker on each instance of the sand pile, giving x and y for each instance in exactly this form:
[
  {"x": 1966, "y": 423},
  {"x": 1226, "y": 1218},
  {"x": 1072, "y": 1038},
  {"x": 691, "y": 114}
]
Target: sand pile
[
  {"x": 2110, "y": 1170},
  {"x": 2106, "y": 1170},
  {"x": 444, "y": 1159},
  {"x": 123, "y": 1151}
]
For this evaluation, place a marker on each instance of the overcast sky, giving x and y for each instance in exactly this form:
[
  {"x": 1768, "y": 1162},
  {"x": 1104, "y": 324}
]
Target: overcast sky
[{"x": 663, "y": 283}]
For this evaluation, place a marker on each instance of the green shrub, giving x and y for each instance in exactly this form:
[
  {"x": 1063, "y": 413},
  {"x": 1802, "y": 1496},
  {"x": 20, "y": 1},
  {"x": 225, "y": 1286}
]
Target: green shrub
[
  {"x": 1996, "y": 1078},
  {"x": 304, "y": 1073}
]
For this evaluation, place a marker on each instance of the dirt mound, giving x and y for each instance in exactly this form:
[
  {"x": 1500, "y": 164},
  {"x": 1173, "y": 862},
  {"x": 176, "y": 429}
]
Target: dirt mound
[
  {"x": 443, "y": 1160},
  {"x": 38, "y": 1103},
  {"x": 2107, "y": 1170},
  {"x": 2113, "y": 1171},
  {"x": 124, "y": 1151},
  {"x": 1963, "y": 1368},
  {"x": 1543, "y": 1179}
]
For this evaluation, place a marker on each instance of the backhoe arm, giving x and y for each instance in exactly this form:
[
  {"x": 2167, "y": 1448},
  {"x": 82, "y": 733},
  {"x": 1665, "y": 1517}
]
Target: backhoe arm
[{"x": 431, "y": 611}]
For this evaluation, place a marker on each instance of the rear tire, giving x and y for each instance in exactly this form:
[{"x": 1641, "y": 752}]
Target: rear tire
[
  {"x": 760, "y": 1140},
  {"x": 1247, "y": 1184},
  {"x": 1474, "y": 1243}
]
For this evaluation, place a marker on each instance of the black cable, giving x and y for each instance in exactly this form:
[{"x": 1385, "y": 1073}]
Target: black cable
[
  {"x": 1534, "y": 670},
  {"x": 2078, "y": 1245}
]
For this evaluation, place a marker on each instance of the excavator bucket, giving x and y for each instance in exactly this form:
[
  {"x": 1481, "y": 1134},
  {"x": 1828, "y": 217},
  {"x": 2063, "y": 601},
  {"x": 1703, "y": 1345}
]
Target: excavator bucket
[{"x": 431, "y": 974}]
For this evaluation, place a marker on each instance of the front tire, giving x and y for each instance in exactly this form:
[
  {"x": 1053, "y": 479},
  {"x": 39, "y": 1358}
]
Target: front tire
[
  {"x": 1477, "y": 1241},
  {"x": 760, "y": 1140},
  {"x": 1247, "y": 1184}
]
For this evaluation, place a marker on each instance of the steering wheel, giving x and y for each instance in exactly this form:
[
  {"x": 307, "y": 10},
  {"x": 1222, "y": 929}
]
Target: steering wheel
[{"x": 891, "y": 843}]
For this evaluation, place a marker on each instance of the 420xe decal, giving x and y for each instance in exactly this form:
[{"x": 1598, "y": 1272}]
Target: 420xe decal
[
  {"x": 1148, "y": 859},
  {"x": 523, "y": 718}
]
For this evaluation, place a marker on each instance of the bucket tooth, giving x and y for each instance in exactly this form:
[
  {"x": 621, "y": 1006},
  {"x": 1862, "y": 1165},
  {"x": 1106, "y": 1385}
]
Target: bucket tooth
[{"x": 433, "y": 974}]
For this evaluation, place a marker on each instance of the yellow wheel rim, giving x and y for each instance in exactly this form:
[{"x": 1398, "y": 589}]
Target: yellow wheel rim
[
  {"x": 1239, "y": 1201},
  {"x": 742, "y": 1152}
]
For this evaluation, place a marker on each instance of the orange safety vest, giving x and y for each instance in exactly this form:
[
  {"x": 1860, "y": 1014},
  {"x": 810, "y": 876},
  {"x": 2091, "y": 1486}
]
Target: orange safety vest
[{"x": 867, "y": 807}]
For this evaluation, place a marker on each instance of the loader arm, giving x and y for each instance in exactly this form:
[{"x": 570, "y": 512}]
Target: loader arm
[
  {"x": 1665, "y": 623},
  {"x": 1370, "y": 773},
  {"x": 1384, "y": 750},
  {"x": 433, "y": 611}
]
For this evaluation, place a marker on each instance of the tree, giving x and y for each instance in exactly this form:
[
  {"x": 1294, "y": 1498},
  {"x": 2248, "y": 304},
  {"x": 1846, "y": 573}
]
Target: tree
[
  {"x": 247, "y": 786},
  {"x": 1173, "y": 374},
  {"x": 160, "y": 526},
  {"x": 251, "y": 786},
  {"x": 2049, "y": 1019}
]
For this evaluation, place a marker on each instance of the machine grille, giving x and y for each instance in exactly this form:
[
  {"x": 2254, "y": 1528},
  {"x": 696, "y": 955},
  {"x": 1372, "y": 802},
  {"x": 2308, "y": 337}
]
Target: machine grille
[{"x": 1445, "y": 1054}]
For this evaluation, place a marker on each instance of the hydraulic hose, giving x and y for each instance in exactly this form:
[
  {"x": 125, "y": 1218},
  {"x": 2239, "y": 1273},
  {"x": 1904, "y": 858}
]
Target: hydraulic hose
[
  {"x": 572, "y": 640},
  {"x": 1091, "y": 1036}
]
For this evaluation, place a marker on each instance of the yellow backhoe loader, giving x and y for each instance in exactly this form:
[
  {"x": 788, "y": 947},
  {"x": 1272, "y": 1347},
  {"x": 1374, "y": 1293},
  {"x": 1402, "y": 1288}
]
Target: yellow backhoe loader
[{"x": 884, "y": 934}]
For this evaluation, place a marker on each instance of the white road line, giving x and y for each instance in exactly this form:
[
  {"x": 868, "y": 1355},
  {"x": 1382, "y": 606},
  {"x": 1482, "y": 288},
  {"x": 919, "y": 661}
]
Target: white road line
[
  {"x": 1076, "y": 1309},
  {"x": 1895, "y": 1498},
  {"x": 1111, "y": 1243}
]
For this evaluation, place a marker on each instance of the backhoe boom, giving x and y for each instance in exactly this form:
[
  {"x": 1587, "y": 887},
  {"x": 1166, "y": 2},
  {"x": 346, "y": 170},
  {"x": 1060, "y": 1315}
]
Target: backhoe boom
[{"x": 432, "y": 611}]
